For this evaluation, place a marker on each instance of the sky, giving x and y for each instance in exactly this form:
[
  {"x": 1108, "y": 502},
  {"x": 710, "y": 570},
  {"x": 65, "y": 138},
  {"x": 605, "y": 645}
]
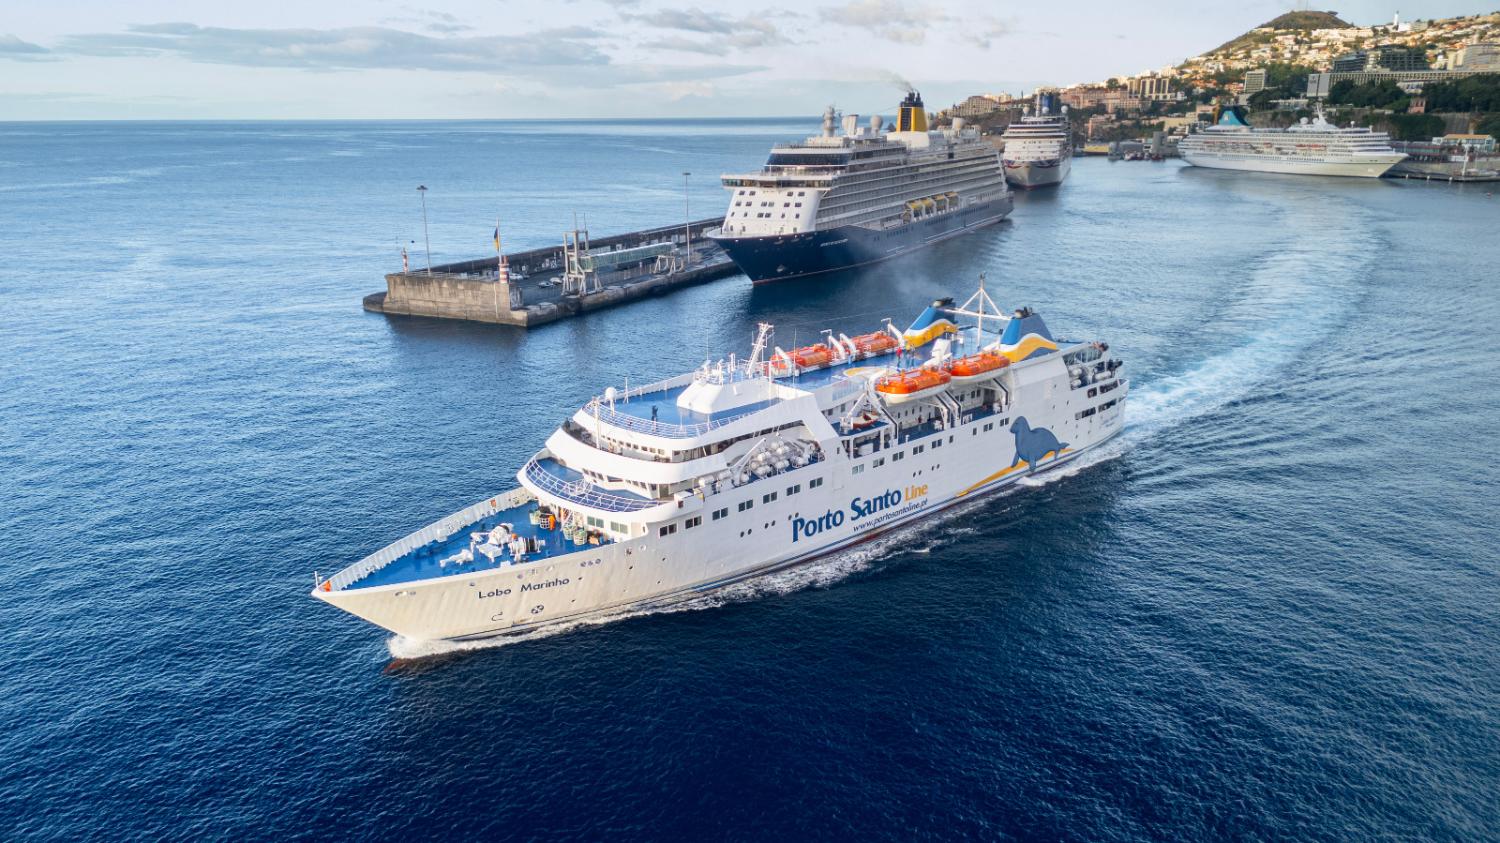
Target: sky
[{"x": 504, "y": 59}]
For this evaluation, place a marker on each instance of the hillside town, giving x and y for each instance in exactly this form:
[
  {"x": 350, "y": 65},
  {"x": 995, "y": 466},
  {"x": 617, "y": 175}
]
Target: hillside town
[{"x": 1290, "y": 67}]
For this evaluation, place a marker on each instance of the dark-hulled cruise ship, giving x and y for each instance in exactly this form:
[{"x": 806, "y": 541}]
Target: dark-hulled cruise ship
[{"x": 837, "y": 201}]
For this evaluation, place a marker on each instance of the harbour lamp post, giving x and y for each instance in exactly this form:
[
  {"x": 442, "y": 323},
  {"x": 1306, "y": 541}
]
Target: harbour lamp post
[
  {"x": 422, "y": 191},
  {"x": 687, "y": 217}
]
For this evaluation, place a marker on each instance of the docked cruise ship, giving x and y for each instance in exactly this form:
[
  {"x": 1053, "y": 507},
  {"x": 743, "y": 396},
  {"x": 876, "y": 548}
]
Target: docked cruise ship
[
  {"x": 1310, "y": 147},
  {"x": 1038, "y": 147},
  {"x": 836, "y": 201},
  {"x": 663, "y": 493}
]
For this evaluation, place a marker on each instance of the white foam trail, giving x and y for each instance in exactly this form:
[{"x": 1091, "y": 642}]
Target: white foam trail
[{"x": 1289, "y": 303}]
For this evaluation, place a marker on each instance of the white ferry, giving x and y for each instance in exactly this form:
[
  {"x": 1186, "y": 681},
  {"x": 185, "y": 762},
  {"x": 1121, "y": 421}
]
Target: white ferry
[
  {"x": 1310, "y": 147},
  {"x": 663, "y": 493},
  {"x": 836, "y": 201},
  {"x": 1038, "y": 147}
]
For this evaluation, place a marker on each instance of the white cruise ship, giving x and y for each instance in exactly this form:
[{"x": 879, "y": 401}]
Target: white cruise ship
[
  {"x": 1311, "y": 147},
  {"x": 745, "y": 466},
  {"x": 836, "y": 201},
  {"x": 1038, "y": 147}
]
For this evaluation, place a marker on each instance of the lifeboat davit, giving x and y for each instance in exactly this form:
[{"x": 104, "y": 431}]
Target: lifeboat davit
[
  {"x": 875, "y": 343},
  {"x": 977, "y": 367},
  {"x": 912, "y": 385}
]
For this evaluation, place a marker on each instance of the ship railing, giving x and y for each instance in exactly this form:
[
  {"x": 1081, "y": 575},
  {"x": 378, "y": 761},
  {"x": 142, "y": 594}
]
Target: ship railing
[
  {"x": 584, "y": 493},
  {"x": 625, "y": 421},
  {"x": 437, "y": 531}
]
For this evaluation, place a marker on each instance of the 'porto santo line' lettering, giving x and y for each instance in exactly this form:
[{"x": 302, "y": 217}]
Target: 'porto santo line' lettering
[{"x": 859, "y": 508}]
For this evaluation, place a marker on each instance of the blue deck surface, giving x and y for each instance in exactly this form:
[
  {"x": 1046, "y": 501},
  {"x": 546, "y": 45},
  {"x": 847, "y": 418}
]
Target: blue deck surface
[
  {"x": 667, "y": 411},
  {"x": 422, "y": 563}
]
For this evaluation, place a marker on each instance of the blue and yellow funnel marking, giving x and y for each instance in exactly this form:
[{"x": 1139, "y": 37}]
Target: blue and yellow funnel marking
[
  {"x": 930, "y": 325},
  {"x": 1026, "y": 336}
]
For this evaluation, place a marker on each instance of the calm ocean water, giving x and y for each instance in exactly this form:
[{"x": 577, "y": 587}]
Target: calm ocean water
[{"x": 1269, "y": 612}]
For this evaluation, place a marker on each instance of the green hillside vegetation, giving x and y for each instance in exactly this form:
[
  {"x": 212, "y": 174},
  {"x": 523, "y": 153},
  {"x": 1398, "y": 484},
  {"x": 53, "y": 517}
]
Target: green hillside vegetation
[
  {"x": 1475, "y": 95},
  {"x": 1309, "y": 20},
  {"x": 1305, "y": 21}
]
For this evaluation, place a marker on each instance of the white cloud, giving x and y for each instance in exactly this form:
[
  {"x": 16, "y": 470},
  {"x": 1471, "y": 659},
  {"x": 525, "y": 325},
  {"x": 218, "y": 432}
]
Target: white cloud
[
  {"x": 343, "y": 49},
  {"x": 12, "y": 47},
  {"x": 725, "y": 32},
  {"x": 893, "y": 20},
  {"x": 985, "y": 31}
]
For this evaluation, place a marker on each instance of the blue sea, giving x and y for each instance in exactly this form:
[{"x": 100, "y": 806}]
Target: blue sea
[{"x": 1269, "y": 611}]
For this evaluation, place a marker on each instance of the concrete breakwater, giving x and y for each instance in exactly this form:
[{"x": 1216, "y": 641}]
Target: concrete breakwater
[{"x": 548, "y": 284}]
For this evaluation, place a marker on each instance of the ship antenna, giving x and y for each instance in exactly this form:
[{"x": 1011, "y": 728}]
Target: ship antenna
[{"x": 979, "y": 333}]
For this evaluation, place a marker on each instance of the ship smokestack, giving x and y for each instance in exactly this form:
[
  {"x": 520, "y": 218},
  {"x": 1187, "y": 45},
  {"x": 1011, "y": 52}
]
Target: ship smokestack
[{"x": 913, "y": 115}]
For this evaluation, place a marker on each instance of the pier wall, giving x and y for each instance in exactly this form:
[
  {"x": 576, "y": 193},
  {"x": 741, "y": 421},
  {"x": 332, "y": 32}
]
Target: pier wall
[
  {"x": 448, "y": 296},
  {"x": 469, "y": 290}
]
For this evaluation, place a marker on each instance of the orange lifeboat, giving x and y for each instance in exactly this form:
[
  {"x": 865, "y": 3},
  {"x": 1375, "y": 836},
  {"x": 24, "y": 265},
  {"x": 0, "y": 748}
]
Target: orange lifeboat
[
  {"x": 976, "y": 367},
  {"x": 912, "y": 385},
  {"x": 875, "y": 343},
  {"x": 811, "y": 356}
]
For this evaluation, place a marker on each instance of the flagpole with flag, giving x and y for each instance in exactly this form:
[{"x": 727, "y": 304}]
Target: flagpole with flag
[{"x": 502, "y": 267}]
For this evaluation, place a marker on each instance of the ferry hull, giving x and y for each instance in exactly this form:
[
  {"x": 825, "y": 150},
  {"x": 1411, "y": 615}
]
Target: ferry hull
[
  {"x": 1373, "y": 168},
  {"x": 1029, "y": 175},
  {"x": 788, "y": 256},
  {"x": 603, "y": 581}
]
